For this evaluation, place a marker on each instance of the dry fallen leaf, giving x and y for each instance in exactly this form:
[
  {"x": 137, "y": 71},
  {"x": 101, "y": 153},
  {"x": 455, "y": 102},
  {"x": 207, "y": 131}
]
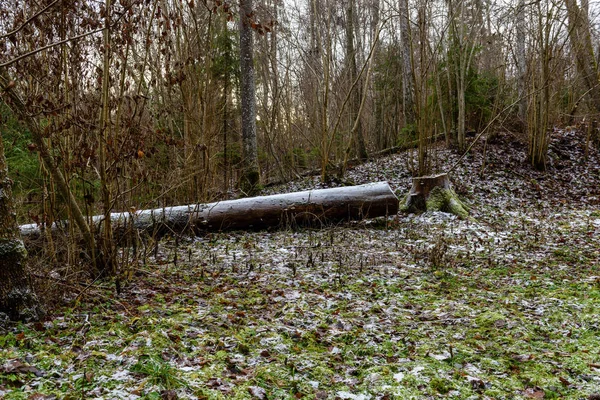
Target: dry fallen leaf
[
  {"x": 564, "y": 381},
  {"x": 257, "y": 392},
  {"x": 534, "y": 393}
]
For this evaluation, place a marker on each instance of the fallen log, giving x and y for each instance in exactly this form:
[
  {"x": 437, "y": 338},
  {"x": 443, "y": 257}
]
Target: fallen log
[{"x": 311, "y": 207}]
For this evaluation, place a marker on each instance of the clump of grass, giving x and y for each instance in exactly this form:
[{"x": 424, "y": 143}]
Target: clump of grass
[
  {"x": 158, "y": 372},
  {"x": 441, "y": 385}
]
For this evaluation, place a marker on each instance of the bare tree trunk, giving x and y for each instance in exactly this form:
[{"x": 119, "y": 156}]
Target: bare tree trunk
[
  {"x": 581, "y": 42},
  {"x": 277, "y": 125},
  {"x": 17, "y": 300},
  {"x": 407, "y": 70},
  {"x": 521, "y": 59},
  {"x": 460, "y": 98},
  {"x": 538, "y": 115},
  {"x": 464, "y": 36},
  {"x": 359, "y": 138},
  {"x": 250, "y": 174},
  {"x": 378, "y": 108},
  {"x": 421, "y": 88},
  {"x": 324, "y": 89},
  {"x": 107, "y": 258}
]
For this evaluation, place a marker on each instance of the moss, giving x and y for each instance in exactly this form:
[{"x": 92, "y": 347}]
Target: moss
[
  {"x": 17, "y": 300},
  {"x": 441, "y": 385},
  {"x": 12, "y": 248},
  {"x": 403, "y": 203},
  {"x": 446, "y": 200},
  {"x": 413, "y": 204},
  {"x": 250, "y": 182},
  {"x": 489, "y": 318}
]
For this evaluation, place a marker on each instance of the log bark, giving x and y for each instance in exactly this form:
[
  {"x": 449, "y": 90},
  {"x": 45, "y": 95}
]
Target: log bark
[
  {"x": 434, "y": 193},
  {"x": 307, "y": 208}
]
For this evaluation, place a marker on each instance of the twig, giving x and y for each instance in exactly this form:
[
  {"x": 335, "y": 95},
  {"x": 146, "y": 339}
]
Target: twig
[{"x": 34, "y": 16}]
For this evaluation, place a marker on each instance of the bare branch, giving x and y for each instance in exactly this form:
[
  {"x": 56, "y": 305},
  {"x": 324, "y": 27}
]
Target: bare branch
[
  {"x": 67, "y": 40},
  {"x": 49, "y": 46},
  {"x": 49, "y": 6}
]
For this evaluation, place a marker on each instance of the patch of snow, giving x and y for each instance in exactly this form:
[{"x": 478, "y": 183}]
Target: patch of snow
[
  {"x": 399, "y": 376},
  {"x": 471, "y": 369},
  {"x": 268, "y": 341},
  {"x": 293, "y": 295},
  {"x": 282, "y": 348},
  {"x": 348, "y": 395},
  {"x": 120, "y": 394},
  {"x": 416, "y": 370},
  {"x": 121, "y": 375},
  {"x": 441, "y": 357},
  {"x": 114, "y": 357}
]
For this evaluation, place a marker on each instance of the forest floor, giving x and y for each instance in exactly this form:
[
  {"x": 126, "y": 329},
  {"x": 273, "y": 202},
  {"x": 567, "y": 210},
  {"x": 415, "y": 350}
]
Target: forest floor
[{"x": 416, "y": 306}]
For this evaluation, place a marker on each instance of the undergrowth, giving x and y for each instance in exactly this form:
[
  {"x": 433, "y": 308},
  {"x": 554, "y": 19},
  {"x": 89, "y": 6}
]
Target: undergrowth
[{"x": 505, "y": 306}]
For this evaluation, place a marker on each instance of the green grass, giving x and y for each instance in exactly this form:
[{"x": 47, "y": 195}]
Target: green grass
[
  {"x": 365, "y": 317},
  {"x": 158, "y": 372}
]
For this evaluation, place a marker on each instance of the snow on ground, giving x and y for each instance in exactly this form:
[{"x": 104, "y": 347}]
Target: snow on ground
[{"x": 414, "y": 306}]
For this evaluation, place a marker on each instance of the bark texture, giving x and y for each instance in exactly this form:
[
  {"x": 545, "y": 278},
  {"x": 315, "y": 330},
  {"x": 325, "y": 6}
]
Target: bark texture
[
  {"x": 581, "y": 42},
  {"x": 521, "y": 59},
  {"x": 407, "y": 69},
  {"x": 538, "y": 115},
  {"x": 358, "y": 136},
  {"x": 311, "y": 207},
  {"x": 250, "y": 175}
]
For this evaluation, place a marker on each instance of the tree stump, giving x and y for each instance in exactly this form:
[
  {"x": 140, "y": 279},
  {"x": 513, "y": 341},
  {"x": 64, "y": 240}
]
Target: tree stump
[{"x": 434, "y": 193}]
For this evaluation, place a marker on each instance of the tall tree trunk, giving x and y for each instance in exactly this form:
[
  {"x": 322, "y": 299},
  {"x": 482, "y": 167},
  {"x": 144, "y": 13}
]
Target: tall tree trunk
[
  {"x": 465, "y": 33},
  {"x": 407, "y": 70},
  {"x": 250, "y": 174},
  {"x": 538, "y": 115},
  {"x": 379, "y": 98},
  {"x": 423, "y": 119},
  {"x": 458, "y": 24},
  {"x": 358, "y": 138},
  {"x": 17, "y": 300},
  {"x": 106, "y": 261},
  {"x": 460, "y": 99},
  {"x": 581, "y": 42},
  {"x": 323, "y": 83},
  {"x": 521, "y": 60}
]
